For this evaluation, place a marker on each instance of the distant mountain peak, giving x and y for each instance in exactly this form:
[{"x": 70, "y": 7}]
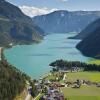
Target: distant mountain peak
[{"x": 63, "y": 21}]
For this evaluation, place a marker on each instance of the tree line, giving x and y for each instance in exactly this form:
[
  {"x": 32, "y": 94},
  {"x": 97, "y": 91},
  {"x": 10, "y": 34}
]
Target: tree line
[
  {"x": 62, "y": 64},
  {"x": 12, "y": 80}
]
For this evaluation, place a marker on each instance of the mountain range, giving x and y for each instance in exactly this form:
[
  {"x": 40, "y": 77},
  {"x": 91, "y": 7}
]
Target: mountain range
[
  {"x": 16, "y": 27},
  {"x": 90, "y": 45},
  {"x": 88, "y": 30},
  {"x": 65, "y": 21}
]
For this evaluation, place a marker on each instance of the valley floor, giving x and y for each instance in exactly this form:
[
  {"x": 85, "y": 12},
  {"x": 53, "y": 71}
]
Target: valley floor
[
  {"x": 86, "y": 91},
  {"x": 83, "y": 93}
]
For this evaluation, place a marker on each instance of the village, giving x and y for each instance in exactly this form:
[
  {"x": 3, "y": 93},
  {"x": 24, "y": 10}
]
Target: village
[{"x": 53, "y": 85}]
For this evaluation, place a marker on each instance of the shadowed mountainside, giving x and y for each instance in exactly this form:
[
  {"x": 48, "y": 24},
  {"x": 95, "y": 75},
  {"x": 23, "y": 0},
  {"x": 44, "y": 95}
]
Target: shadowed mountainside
[
  {"x": 15, "y": 27},
  {"x": 90, "y": 45}
]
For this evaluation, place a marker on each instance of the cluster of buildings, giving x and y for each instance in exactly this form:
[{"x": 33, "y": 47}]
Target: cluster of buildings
[{"x": 53, "y": 93}]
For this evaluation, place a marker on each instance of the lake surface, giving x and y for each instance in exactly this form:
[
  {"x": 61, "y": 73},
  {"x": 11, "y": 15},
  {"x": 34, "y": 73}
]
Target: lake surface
[{"x": 35, "y": 59}]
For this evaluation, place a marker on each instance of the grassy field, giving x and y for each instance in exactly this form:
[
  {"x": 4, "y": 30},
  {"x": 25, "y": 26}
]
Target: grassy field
[
  {"x": 91, "y": 76},
  {"x": 83, "y": 93},
  {"x": 97, "y": 62},
  {"x": 84, "y": 98}
]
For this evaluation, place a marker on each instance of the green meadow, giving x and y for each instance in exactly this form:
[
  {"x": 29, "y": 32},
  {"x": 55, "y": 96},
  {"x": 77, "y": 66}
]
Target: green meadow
[
  {"x": 82, "y": 93},
  {"x": 91, "y": 76},
  {"x": 84, "y": 98},
  {"x": 95, "y": 61},
  {"x": 85, "y": 92}
]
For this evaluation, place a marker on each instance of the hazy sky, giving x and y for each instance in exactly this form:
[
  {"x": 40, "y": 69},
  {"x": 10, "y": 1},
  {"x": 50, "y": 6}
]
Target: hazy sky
[{"x": 51, "y": 5}]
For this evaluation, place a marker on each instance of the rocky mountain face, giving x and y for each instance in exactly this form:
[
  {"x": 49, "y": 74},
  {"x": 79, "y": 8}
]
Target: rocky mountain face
[
  {"x": 65, "y": 21},
  {"x": 90, "y": 45},
  {"x": 88, "y": 30},
  {"x": 15, "y": 27}
]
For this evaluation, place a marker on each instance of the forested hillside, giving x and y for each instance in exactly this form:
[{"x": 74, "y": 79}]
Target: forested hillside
[
  {"x": 90, "y": 46},
  {"x": 15, "y": 27}
]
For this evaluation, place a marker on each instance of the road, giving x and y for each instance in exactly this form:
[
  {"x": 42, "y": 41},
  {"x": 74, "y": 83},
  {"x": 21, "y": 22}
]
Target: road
[{"x": 28, "y": 97}]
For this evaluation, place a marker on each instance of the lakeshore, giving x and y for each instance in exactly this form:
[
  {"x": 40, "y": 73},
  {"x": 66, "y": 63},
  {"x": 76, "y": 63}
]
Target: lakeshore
[
  {"x": 36, "y": 58},
  {"x": 71, "y": 84},
  {"x": 69, "y": 91}
]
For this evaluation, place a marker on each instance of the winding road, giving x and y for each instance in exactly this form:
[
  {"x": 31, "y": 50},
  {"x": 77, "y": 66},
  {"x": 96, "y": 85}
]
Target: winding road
[{"x": 28, "y": 97}]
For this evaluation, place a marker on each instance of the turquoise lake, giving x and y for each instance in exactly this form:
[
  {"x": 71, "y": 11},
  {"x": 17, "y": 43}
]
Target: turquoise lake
[{"x": 35, "y": 59}]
